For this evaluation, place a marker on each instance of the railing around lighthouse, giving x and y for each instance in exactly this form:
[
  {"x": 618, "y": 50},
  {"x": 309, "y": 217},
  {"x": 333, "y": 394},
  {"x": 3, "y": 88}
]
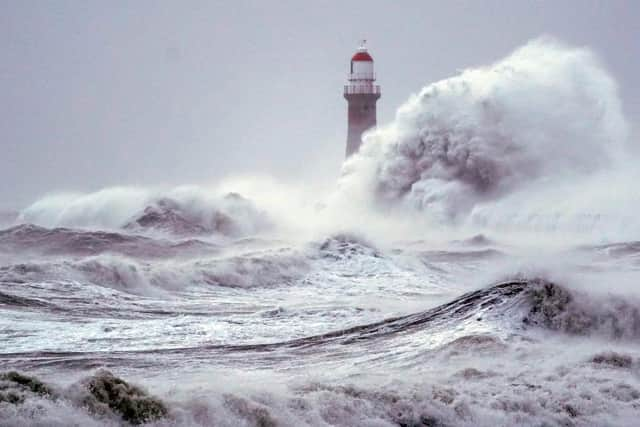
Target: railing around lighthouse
[{"x": 358, "y": 89}]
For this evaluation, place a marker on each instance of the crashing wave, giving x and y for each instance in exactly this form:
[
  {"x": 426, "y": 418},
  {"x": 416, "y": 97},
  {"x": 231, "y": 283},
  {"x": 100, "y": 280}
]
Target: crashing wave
[
  {"x": 557, "y": 308},
  {"x": 105, "y": 399},
  {"x": 548, "y": 113},
  {"x": 346, "y": 245},
  {"x": 180, "y": 212},
  {"x": 470, "y": 397},
  {"x": 261, "y": 269},
  {"x": 522, "y": 304},
  {"x": 478, "y": 394},
  {"x": 170, "y": 216}
]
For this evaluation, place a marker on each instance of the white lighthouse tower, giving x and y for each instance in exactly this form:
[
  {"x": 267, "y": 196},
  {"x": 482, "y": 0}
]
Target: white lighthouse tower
[{"x": 361, "y": 94}]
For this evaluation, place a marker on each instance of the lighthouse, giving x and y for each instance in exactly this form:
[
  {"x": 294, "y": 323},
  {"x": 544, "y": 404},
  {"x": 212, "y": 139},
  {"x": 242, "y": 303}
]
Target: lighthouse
[{"x": 361, "y": 94}]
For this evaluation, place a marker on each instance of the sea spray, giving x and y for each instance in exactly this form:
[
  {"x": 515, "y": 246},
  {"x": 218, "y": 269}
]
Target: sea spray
[{"x": 546, "y": 114}]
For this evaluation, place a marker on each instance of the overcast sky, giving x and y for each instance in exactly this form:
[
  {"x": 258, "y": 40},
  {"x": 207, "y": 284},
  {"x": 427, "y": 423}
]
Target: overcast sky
[{"x": 102, "y": 93}]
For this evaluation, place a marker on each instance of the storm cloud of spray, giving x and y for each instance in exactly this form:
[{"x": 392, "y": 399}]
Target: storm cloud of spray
[
  {"x": 534, "y": 142},
  {"x": 546, "y": 114}
]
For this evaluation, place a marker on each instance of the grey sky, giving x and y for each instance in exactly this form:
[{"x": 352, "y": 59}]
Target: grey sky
[{"x": 103, "y": 93}]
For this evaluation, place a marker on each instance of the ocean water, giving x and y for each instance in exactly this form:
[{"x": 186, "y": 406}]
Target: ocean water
[
  {"x": 476, "y": 264},
  {"x": 335, "y": 331}
]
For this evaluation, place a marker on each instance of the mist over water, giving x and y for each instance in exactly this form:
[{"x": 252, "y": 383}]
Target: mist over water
[{"x": 475, "y": 264}]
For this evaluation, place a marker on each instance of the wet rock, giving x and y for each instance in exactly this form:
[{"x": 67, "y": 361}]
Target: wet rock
[
  {"x": 11, "y": 397},
  {"x": 15, "y": 387},
  {"x": 134, "y": 405},
  {"x": 31, "y": 383}
]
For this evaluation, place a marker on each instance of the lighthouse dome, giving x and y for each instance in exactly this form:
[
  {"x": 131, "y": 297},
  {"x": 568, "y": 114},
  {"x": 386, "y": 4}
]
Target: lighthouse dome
[{"x": 362, "y": 55}]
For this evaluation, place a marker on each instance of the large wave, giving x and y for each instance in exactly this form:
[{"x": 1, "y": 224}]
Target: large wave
[
  {"x": 181, "y": 211},
  {"x": 535, "y": 124},
  {"x": 479, "y": 376}
]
